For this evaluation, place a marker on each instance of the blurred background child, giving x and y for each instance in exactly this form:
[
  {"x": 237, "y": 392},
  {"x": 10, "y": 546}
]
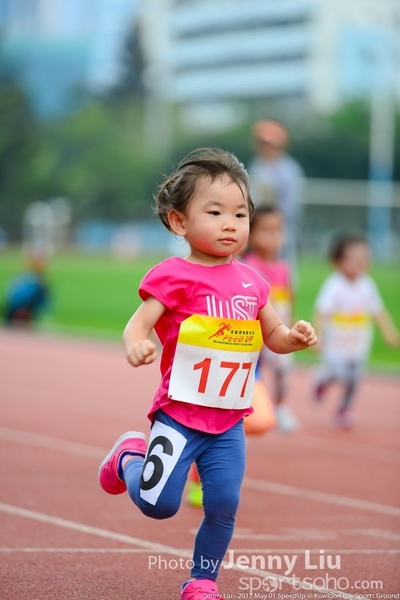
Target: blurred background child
[
  {"x": 27, "y": 295},
  {"x": 266, "y": 241},
  {"x": 346, "y": 304}
]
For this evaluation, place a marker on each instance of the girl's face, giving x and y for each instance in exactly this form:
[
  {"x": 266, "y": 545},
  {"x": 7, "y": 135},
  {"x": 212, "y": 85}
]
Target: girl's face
[
  {"x": 266, "y": 236},
  {"x": 216, "y": 222},
  {"x": 355, "y": 261},
  {"x": 268, "y": 151}
]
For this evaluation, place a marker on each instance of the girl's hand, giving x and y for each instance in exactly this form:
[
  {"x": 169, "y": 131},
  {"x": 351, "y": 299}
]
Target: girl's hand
[
  {"x": 392, "y": 338},
  {"x": 301, "y": 336},
  {"x": 317, "y": 349},
  {"x": 142, "y": 353}
]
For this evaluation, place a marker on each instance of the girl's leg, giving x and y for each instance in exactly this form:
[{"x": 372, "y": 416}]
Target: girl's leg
[
  {"x": 280, "y": 366},
  {"x": 280, "y": 385},
  {"x": 221, "y": 468},
  {"x": 351, "y": 380},
  {"x": 156, "y": 483},
  {"x": 326, "y": 374},
  {"x": 285, "y": 419}
]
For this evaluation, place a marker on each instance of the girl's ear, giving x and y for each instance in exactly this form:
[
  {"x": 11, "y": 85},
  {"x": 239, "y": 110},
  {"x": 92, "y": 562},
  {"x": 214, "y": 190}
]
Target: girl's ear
[{"x": 176, "y": 221}]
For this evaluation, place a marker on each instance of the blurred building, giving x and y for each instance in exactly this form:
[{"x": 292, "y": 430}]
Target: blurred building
[
  {"x": 58, "y": 49},
  {"x": 302, "y": 54}
]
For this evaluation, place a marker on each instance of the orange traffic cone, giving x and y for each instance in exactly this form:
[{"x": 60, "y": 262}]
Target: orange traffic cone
[{"x": 263, "y": 418}]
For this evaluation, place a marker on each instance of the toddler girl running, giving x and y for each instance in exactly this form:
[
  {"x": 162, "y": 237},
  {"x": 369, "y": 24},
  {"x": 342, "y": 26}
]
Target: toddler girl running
[{"x": 211, "y": 314}]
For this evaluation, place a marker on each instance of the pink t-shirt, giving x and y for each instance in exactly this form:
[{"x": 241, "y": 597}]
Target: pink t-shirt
[{"x": 232, "y": 291}]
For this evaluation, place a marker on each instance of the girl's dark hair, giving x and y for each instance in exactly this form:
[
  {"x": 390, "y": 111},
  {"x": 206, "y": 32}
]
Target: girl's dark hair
[
  {"x": 342, "y": 241},
  {"x": 178, "y": 189},
  {"x": 260, "y": 211}
]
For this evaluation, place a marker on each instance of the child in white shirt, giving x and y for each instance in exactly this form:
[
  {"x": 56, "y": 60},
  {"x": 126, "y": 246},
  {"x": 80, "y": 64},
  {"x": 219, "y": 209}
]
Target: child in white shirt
[{"x": 346, "y": 306}]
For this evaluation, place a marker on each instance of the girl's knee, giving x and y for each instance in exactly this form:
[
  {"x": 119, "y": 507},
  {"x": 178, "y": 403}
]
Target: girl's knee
[
  {"x": 221, "y": 505},
  {"x": 160, "y": 510}
]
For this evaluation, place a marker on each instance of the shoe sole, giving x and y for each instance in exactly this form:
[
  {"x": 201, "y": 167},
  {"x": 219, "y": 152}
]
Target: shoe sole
[{"x": 124, "y": 436}]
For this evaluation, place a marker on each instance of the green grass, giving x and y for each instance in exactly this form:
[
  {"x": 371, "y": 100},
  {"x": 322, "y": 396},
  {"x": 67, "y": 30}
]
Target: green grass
[
  {"x": 91, "y": 294},
  {"x": 96, "y": 295}
]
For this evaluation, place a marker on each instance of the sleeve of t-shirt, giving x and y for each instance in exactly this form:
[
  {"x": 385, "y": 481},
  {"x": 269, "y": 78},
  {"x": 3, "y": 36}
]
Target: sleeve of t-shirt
[
  {"x": 160, "y": 283},
  {"x": 288, "y": 277},
  {"x": 265, "y": 289},
  {"x": 325, "y": 302},
  {"x": 375, "y": 302}
]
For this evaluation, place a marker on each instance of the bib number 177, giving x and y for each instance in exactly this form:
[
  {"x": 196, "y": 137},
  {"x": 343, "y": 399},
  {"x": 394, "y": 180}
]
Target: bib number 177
[{"x": 233, "y": 369}]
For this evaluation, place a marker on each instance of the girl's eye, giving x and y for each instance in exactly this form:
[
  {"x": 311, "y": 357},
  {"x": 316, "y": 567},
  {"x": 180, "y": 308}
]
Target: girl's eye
[
  {"x": 215, "y": 213},
  {"x": 241, "y": 216}
]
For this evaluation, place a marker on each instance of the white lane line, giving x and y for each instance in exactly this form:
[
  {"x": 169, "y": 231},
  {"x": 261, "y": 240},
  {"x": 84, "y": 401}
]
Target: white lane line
[
  {"x": 250, "y": 551},
  {"x": 26, "y": 438},
  {"x": 87, "y": 404},
  {"x": 331, "y": 551},
  {"x": 154, "y": 547},
  {"x": 296, "y": 492},
  {"x": 81, "y": 527},
  {"x": 74, "y": 550},
  {"x": 50, "y": 443}
]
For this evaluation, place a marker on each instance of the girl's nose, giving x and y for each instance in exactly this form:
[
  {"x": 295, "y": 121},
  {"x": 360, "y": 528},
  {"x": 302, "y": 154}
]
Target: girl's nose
[{"x": 230, "y": 225}]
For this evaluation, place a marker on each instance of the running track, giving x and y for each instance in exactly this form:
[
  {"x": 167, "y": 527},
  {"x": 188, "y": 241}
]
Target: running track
[{"x": 320, "y": 491}]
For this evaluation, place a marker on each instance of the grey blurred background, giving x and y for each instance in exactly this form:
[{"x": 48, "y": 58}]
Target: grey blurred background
[{"x": 98, "y": 97}]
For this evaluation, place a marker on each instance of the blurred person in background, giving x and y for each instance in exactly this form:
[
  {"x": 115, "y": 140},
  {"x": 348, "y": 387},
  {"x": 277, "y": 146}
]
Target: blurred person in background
[
  {"x": 346, "y": 305},
  {"x": 28, "y": 295},
  {"x": 277, "y": 179},
  {"x": 263, "y": 254}
]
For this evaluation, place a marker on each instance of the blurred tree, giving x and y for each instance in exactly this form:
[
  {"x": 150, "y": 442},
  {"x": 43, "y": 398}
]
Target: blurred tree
[
  {"x": 18, "y": 146},
  {"x": 396, "y": 162},
  {"x": 339, "y": 148},
  {"x": 335, "y": 146},
  {"x": 131, "y": 82},
  {"x": 339, "y": 155},
  {"x": 94, "y": 157}
]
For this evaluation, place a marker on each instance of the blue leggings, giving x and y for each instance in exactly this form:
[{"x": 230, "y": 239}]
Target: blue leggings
[{"x": 156, "y": 483}]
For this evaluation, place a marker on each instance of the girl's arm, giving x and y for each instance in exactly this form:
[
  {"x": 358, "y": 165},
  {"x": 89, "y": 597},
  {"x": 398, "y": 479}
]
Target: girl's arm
[
  {"x": 140, "y": 350},
  {"x": 387, "y": 328},
  {"x": 279, "y": 338},
  {"x": 319, "y": 327}
]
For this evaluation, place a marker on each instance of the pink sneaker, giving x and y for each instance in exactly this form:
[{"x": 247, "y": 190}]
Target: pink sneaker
[
  {"x": 319, "y": 393},
  {"x": 345, "y": 419},
  {"x": 131, "y": 442},
  {"x": 200, "y": 589}
]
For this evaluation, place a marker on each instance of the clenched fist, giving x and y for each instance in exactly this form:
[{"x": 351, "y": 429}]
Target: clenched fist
[
  {"x": 142, "y": 353},
  {"x": 301, "y": 336}
]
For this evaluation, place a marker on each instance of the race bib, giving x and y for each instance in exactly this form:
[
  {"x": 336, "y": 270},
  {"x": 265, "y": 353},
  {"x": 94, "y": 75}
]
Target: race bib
[
  {"x": 350, "y": 334},
  {"x": 214, "y": 362}
]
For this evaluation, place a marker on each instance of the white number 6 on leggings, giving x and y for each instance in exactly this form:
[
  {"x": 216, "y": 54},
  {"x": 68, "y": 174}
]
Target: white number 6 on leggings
[{"x": 165, "y": 447}]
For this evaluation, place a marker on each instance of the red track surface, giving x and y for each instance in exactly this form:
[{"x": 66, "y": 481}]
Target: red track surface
[{"x": 329, "y": 492}]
